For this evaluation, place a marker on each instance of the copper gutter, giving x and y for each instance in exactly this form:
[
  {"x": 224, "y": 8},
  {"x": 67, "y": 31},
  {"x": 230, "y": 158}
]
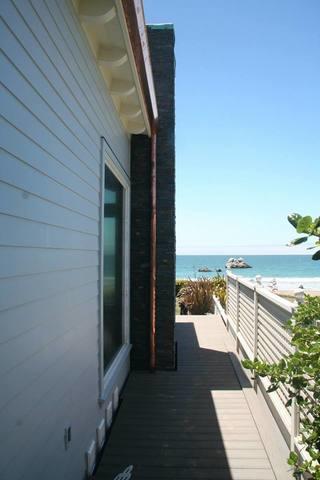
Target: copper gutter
[{"x": 133, "y": 10}]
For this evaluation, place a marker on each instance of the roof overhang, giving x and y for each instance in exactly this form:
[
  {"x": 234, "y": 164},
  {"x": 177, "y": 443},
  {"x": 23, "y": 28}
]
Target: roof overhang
[{"x": 117, "y": 35}]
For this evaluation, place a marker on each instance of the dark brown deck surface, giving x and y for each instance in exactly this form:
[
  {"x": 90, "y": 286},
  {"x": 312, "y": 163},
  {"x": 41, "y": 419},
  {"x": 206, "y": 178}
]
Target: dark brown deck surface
[{"x": 191, "y": 424}]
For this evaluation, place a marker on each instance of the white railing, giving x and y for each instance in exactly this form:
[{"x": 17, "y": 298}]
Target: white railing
[{"x": 256, "y": 317}]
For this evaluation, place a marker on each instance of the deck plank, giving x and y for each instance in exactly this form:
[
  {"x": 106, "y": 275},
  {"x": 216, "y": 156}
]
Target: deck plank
[{"x": 194, "y": 423}]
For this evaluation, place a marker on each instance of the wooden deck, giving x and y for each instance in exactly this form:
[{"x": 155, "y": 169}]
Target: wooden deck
[{"x": 195, "y": 423}]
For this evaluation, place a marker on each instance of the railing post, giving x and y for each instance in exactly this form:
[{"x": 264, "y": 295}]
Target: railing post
[
  {"x": 255, "y": 325},
  {"x": 255, "y": 332},
  {"x": 256, "y": 316},
  {"x": 295, "y": 423},
  {"x": 237, "y": 313},
  {"x": 227, "y": 294},
  {"x": 227, "y": 300},
  {"x": 295, "y": 410},
  {"x": 299, "y": 295}
]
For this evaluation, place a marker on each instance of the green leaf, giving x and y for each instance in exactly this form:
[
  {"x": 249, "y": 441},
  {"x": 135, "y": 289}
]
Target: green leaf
[
  {"x": 247, "y": 364},
  {"x": 316, "y": 256},
  {"x": 299, "y": 240},
  {"x": 304, "y": 224},
  {"x": 272, "y": 388},
  {"x": 313, "y": 454},
  {"x": 293, "y": 458},
  {"x": 316, "y": 222},
  {"x": 293, "y": 218}
]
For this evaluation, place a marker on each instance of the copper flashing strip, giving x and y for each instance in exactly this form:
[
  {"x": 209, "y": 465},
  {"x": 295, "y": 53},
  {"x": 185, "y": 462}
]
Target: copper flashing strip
[{"x": 153, "y": 251}]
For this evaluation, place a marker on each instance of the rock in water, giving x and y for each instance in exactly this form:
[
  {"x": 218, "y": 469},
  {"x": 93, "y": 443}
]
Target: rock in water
[{"x": 237, "y": 263}]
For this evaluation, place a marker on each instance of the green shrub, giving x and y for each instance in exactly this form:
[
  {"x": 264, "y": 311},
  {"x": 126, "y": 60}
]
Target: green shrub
[{"x": 219, "y": 289}]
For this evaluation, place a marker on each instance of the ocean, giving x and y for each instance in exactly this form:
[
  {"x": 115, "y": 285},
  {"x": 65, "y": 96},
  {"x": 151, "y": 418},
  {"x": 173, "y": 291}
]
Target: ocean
[{"x": 289, "y": 270}]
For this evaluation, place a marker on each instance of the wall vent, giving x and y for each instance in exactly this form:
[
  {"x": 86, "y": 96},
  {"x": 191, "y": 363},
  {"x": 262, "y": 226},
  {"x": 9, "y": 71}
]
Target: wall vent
[
  {"x": 91, "y": 457},
  {"x": 109, "y": 415},
  {"x": 101, "y": 433}
]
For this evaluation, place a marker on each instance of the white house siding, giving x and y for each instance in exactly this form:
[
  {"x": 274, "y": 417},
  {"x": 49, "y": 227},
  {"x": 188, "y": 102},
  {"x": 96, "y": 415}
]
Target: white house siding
[{"x": 54, "y": 111}]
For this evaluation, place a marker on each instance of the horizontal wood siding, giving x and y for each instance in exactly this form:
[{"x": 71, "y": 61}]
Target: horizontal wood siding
[{"x": 54, "y": 112}]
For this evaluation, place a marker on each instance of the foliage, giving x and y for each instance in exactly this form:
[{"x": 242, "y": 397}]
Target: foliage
[
  {"x": 300, "y": 373},
  {"x": 179, "y": 284},
  {"x": 219, "y": 289},
  {"x": 309, "y": 227},
  {"x": 197, "y": 295}
]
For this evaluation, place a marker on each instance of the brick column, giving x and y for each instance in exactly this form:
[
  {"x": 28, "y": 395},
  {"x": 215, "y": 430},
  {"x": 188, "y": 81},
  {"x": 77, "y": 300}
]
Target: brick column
[
  {"x": 161, "y": 43},
  {"x": 140, "y": 251}
]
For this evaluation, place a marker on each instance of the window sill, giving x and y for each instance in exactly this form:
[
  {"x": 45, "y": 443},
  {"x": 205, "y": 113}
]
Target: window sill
[{"x": 110, "y": 379}]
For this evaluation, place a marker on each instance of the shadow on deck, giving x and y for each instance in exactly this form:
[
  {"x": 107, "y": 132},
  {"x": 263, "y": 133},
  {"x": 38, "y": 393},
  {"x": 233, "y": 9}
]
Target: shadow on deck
[{"x": 194, "y": 423}]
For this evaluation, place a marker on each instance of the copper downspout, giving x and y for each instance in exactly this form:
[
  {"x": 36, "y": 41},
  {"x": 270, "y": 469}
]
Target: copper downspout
[{"x": 153, "y": 250}]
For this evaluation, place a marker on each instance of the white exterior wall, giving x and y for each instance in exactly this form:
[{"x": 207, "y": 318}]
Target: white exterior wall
[{"x": 55, "y": 110}]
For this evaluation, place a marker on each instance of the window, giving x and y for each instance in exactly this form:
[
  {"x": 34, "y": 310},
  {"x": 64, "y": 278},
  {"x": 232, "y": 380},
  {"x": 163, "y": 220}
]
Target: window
[{"x": 112, "y": 267}]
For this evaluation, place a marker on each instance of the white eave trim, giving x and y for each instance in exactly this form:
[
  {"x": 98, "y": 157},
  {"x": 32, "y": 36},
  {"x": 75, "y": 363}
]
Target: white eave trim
[
  {"x": 122, "y": 83},
  {"x": 123, "y": 23},
  {"x": 100, "y": 11}
]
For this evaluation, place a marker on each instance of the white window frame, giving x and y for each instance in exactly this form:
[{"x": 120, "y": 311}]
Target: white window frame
[{"x": 109, "y": 377}]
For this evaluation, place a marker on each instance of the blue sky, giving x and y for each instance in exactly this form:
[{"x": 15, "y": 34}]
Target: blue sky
[{"x": 247, "y": 120}]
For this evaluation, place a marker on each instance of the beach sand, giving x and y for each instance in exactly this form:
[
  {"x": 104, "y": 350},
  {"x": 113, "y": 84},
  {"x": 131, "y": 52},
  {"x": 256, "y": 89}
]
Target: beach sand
[{"x": 289, "y": 294}]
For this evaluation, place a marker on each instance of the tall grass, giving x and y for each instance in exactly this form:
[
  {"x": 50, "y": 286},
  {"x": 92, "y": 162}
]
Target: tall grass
[{"x": 196, "y": 295}]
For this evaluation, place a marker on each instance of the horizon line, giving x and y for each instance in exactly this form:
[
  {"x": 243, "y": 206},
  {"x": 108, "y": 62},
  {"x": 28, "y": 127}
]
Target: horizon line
[{"x": 239, "y": 254}]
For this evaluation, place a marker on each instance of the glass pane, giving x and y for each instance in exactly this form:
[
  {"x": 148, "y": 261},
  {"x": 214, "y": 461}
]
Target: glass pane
[{"x": 113, "y": 251}]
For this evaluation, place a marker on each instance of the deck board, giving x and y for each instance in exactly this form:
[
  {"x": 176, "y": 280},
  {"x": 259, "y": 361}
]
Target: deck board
[{"x": 194, "y": 423}]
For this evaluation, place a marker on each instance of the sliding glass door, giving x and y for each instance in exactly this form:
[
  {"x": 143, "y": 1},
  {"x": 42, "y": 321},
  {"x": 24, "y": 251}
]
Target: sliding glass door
[{"x": 113, "y": 267}]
